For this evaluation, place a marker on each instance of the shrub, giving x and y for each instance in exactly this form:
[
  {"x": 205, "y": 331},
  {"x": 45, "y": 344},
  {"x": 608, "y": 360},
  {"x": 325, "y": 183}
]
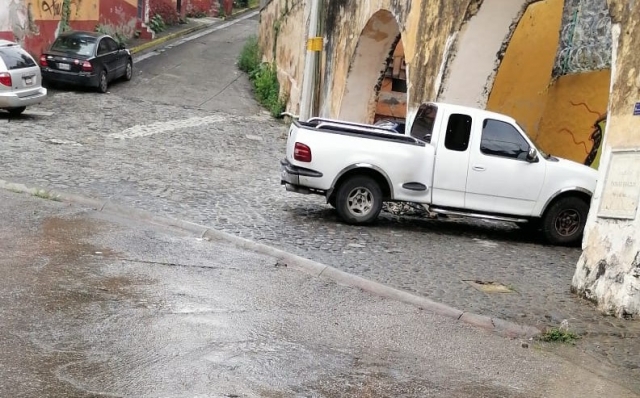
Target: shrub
[
  {"x": 250, "y": 57},
  {"x": 263, "y": 76}
]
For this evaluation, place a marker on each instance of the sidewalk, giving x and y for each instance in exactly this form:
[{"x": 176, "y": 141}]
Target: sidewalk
[
  {"x": 192, "y": 25},
  {"x": 94, "y": 303}
]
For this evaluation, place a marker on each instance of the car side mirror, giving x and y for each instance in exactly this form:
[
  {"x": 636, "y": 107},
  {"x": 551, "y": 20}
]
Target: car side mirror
[
  {"x": 121, "y": 46},
  {"x": 532, "y": 156}
]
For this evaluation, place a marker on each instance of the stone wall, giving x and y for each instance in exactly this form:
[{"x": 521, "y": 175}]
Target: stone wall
[
  {"x": 608, "y": 272},
  {"x": 426, "y": 29}
]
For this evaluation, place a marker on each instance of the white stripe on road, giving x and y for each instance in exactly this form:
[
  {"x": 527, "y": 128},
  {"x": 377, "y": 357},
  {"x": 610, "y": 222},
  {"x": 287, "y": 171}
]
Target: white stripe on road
[
  {"x": 198, "y": 35},
  {"x": 164, "y": 127}
]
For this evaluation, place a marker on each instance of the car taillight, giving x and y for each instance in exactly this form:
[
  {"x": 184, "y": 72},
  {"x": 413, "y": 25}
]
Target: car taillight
[
  {"x": 302, "y": 153},
  {"x": 43, "y": 60},
  {"x": 86, "y": 66},
  {"x": 5, "y": 79}
]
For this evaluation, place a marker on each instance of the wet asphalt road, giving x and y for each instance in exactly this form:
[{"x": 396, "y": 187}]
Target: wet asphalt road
[
  {"x": 93, "y": 305},
  {"x": 186, "y": 139}
]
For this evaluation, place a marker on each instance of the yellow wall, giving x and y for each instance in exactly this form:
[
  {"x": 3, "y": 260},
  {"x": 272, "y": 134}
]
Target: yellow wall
[
  {"x": 561, "y": 115},
  {"x": 519, "y": 89},
  {"x": 51, "y": 10},
  {"x": 574, "y": 104}
]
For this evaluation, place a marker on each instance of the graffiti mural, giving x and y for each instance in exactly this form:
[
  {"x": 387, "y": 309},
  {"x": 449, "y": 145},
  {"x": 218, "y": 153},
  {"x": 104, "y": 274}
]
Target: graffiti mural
[{"x": 585, "y": 39}]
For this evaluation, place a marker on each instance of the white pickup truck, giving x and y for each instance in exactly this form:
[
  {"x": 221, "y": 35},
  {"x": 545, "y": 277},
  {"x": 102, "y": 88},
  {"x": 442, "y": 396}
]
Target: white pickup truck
[{"x": 453, "y": 160}]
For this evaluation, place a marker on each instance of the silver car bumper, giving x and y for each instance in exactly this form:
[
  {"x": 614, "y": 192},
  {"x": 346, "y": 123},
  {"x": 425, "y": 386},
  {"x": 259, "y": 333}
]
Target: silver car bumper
[{"x": 11, "y": 100}]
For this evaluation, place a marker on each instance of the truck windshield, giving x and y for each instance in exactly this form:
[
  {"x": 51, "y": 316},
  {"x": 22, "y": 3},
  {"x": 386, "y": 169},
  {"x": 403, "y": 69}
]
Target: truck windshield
[{"x": 535, "y": 144}]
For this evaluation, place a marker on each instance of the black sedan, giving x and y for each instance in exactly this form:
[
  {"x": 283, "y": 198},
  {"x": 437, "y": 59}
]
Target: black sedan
[{"x": 86, "y": 59}]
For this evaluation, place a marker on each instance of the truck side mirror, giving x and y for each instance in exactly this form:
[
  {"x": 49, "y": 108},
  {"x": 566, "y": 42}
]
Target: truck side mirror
[{"x": 532, "y": 156}]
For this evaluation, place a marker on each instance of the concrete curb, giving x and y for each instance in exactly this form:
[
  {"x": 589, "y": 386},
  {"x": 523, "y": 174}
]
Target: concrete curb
[
  {"x": 164, "y": 39},
  {"x": 499, "y": 326}
]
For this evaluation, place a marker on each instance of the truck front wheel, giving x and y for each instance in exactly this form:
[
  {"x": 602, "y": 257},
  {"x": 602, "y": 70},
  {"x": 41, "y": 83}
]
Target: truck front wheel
[
  {"x": 563, "y": 223},
  {"x": 359, "y": 200}
]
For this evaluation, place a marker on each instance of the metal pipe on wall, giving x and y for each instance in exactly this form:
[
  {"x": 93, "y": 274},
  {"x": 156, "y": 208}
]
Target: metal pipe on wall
[{"x": 314, "y": 46}]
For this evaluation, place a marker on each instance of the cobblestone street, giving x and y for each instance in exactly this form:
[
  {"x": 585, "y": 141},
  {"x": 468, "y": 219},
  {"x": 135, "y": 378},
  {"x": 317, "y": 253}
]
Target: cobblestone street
[{"x": 186, "y": 139}]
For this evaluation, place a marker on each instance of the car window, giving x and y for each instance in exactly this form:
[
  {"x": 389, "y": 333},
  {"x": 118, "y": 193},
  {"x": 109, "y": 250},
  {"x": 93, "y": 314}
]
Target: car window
[
  {"x": 502, "y": 139},
  {"x": 75, "y": 45},
  {"x": 111, "y": 44},
  {"x": 103, "y": 47},
  {"x": 16, "y": 58},
  {"x": 422, "y": 127},
  {"x": 458, "y": 132}
]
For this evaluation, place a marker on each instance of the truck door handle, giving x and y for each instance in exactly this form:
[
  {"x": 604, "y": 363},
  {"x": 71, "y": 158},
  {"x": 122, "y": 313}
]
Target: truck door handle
[{"x": 479, "y": 168}]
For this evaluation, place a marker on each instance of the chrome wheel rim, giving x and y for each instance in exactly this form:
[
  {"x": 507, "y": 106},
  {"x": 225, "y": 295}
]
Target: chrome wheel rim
[
  {"x": 360, "y": 202},
  {"x": 129, "y": 70},
  {"x": 568, "y": 222}
]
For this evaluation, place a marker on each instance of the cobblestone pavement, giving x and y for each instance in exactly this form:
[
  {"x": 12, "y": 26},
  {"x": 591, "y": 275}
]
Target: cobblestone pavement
[{"x": 185, "y": 139}]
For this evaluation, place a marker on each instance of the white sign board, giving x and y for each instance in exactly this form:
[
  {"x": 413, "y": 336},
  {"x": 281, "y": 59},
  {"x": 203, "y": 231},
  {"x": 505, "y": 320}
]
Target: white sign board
[{"x": 621, "y": 192}]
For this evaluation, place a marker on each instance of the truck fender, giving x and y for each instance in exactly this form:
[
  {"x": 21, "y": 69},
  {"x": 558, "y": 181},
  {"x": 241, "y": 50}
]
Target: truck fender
[{"x": 365, "y": 166}]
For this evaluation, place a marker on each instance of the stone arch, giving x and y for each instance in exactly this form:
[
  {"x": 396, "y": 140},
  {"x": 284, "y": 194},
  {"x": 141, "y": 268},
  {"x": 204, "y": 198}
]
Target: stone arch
[{"x": 376, "y": 45}]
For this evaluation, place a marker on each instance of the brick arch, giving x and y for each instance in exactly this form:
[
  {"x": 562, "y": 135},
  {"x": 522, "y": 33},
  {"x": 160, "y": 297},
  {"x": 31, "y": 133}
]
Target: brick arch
[{"x": 377, "y": 41}]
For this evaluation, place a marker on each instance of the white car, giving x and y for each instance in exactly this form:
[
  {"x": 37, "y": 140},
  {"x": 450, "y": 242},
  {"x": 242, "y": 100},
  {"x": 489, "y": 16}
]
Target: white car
[
  {"x": 20, "y": 79},
  {"x": 453, "y": 160}
]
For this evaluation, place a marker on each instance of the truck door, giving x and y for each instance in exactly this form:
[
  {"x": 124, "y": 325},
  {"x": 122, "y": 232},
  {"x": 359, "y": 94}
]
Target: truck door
[
  {"x": 452, "y": 161},
  {"x": 501, "y": 177}
]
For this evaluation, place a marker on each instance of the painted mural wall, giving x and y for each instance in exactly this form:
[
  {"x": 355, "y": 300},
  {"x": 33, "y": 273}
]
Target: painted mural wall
[
  {"x": 555, "y": 76},
  {"x": 36, "y": 23}
]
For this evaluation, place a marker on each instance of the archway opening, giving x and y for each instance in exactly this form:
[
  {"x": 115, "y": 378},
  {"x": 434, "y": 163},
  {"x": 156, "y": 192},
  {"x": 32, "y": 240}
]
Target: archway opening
[{"x": 376, "y": 84}]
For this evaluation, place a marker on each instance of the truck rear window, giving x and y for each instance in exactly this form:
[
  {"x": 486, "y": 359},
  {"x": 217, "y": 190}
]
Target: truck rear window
[{"x": 16, "y": 58}]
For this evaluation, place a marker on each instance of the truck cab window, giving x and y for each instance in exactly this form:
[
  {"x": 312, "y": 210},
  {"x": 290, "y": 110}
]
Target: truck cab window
[
  {"x": 458, "y": 132},
  {"x": 502, "y": 139},
  {"x": 422, "y": 128}
]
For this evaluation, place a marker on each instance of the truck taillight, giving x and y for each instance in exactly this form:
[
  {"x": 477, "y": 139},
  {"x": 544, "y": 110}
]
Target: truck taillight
[
  {"x": 43, "y": 60},
  {"x": 302, "y": 153},
  {"x": 5, "y": 79}
]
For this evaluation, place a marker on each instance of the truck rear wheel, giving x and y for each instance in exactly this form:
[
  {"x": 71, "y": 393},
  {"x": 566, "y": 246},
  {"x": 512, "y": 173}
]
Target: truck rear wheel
[
  {"x": 359, "y": 200},
  {"x": 563, "y": 223}
]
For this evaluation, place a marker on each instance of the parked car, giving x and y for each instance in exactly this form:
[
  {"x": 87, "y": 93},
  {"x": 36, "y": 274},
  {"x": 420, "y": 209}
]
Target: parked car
[
  {"x": 20, "y": 79},
  {"x": 86, "y": 59},
  {"x": 454, "y": 160}
]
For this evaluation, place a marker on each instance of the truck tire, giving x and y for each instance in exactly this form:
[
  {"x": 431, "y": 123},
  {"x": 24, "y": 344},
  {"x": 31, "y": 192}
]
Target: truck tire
[
  {"x": 359, "y": 200},
  {"x": 563, "y": 222}
]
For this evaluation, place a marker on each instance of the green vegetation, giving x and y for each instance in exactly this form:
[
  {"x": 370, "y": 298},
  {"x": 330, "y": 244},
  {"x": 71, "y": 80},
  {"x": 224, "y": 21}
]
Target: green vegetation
[
  {"x": 558, "y": 336},
  {"x": 46, "y": 195},
  {"x": 157, "y": 24},
  {"x": 263, "y": 76}
]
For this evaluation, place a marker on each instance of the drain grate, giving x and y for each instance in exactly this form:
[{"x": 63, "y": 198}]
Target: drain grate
[{"x": 490, "y": 287}]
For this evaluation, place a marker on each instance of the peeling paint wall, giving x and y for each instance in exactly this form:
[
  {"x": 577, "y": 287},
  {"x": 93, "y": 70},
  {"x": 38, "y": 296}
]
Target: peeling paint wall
[
  {"x": 475, "y": 60},
  {"x": 282, "y": 34},
  {"x": 425, "y": 27},
  {"x": 36, "y": 23},
  {"x": 608, "y": 272}
]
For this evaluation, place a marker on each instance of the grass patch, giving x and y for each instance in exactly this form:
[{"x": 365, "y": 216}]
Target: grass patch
[
  {"x": 263, "y": 77},
  {"x": 46, "y": 195},
  {"x": 557, "y": 335}
]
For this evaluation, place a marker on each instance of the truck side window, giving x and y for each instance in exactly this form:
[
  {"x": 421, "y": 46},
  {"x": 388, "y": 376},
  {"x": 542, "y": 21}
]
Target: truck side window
[
  {"x": 422, "y": 128},
  {"x": 458, "y": 132},
  {"x": 502, "y": 139}
]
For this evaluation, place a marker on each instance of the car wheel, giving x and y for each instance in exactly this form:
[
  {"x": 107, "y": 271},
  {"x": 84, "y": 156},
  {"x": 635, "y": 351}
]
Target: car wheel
[
  {"x": 16, "y": 111},
  {"x": 359, "y": 200},
  {"x": 128, "y": 71},
  {"x": 563, "y": 223},
  {"x": 103, "y": 83}
]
